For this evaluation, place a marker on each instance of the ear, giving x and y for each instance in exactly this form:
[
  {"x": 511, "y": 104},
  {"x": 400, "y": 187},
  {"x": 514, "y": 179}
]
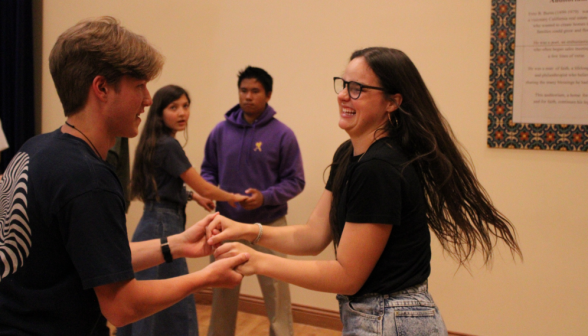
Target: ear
[
  {"x": 100, "y": 88},
  {"x": 268, "y": 96},
  {"x": 394, "y": 102}
]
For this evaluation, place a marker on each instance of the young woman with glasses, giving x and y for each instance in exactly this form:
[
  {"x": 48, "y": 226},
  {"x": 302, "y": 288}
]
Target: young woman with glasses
[
  {"x": 160, "y": 172},
  {"x": 399, "y": 175}
]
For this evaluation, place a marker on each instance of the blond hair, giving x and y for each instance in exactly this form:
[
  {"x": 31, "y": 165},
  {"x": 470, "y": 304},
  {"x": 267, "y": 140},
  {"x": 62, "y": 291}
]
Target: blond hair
[{"x": 98, "y": 47}]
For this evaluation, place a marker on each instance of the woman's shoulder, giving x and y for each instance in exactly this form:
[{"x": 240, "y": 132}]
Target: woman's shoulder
[
  {"x": 386, "y": 149},
  {"x": 383, "y": 157},
  {"x": 168, "y": 147},
  {"x": 166, "y": 139},
  {"x": 167, "y": 143}
]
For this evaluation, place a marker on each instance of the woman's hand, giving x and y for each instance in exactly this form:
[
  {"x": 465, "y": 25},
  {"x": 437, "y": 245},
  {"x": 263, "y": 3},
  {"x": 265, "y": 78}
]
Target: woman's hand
[
  {"x": 204, "y": 202},
  {"x": 237, "y": 198},
  {"x": 230, "y": 250},
  {"x": 222, "y": 229}
]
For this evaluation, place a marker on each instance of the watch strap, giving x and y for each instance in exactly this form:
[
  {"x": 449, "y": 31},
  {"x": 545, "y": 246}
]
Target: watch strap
[{"x": 166, "y": 251}]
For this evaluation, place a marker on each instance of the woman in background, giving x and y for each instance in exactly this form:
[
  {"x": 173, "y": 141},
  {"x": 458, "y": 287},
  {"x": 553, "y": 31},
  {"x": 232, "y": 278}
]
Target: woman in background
[
  {"x": 160, "y": 171},
  {"x": 399, "y": 175}
]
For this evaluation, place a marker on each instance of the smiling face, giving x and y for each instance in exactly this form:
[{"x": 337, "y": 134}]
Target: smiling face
[
  {"x": 252, "y": 98},
  {"x": 176, "y": 114},
  {"x": 129, "y": 99},
  {"x": 361, "y": 117}
]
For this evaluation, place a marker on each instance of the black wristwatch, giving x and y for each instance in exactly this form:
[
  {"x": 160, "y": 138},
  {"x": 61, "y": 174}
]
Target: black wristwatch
[
  {"x": 166, "y": 251},
  {"x": 190, "y": 195}
]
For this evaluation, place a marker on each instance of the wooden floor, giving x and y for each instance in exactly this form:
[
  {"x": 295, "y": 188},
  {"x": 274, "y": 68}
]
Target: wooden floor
[
  {"x": 257, "y": 325},
  {"x": 253, "y": 325}
]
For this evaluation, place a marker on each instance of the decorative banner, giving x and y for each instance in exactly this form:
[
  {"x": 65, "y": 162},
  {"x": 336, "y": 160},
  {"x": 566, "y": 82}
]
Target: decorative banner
[
  {"x": 503, "y": 132},
  {"x": 551, "y": 62}
]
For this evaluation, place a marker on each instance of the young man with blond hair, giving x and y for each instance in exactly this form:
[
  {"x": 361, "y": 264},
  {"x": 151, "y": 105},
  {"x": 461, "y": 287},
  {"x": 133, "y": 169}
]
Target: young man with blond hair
[{"x": 65, "y": 261}]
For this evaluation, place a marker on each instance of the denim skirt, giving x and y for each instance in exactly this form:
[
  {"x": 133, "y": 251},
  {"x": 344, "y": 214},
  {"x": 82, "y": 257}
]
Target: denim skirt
[
  {"x": 407, "y": 312},
  {"x": 164, "y": 219}
]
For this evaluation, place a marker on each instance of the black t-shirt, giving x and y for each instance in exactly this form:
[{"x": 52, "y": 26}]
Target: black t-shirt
[
  {"x": 170, "y": 162},
  {"x": 380, "y": 188},
  {"x": 63, "y": 218}
]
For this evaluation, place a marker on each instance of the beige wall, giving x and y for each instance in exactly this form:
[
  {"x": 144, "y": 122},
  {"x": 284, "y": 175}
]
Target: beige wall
[{"x": 303, "y": 44}]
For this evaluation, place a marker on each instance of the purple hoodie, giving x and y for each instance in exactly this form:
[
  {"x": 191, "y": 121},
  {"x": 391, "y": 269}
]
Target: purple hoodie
[{"x": 264, "y": 155}]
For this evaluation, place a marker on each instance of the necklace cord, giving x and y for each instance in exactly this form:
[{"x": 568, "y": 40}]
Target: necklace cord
[{"x": 82, "y": 133}]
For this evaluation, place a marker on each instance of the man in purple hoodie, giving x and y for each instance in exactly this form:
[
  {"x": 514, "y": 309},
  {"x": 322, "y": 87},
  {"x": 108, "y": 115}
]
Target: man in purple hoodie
[{"x": 252, "y": 152}]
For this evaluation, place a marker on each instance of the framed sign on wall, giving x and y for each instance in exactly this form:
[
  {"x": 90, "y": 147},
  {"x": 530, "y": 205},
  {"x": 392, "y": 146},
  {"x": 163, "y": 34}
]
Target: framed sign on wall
[{"x": 538, "y": 97}]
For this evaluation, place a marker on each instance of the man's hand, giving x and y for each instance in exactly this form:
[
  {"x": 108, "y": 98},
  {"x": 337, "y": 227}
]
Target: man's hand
[
  {"x": 254, "y": 201},
  {"x": 230, "y": 250},
  {"x": 221, "y": 273},
  {"x": 192, "y": 242}
]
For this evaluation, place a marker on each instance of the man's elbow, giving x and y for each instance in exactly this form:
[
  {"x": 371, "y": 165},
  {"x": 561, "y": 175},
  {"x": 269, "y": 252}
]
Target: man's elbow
[
  {"x": 119, "y": 313},
  {"x": 116, "y": 302},
  {"x": 117, "y": 322},
  {"x": 119, "y": 318}
]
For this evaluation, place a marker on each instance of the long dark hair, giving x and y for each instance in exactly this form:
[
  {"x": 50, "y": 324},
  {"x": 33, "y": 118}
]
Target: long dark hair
[
  {"x": 143, "y": 168},
  {"x": 458, "y": 208}
]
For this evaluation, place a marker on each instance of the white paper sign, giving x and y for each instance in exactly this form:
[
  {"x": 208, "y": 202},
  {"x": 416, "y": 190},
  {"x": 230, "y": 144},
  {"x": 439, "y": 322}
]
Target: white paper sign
[{"x": 551, "y": 62}]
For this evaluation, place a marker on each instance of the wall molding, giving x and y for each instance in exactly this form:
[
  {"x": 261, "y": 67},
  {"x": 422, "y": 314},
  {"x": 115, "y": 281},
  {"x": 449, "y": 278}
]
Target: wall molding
[{"x": 318, "y": 317}]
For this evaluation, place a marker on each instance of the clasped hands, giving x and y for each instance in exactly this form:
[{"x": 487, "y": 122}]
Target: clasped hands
[
  {"x": 206, "y": 236},
  {"x": 252, "y": 199},
  {"x": 220, "y": 230}
]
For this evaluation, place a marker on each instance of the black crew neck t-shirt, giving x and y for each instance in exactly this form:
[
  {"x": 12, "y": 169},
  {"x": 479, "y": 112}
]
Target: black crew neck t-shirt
[{"x": 379, "y": 187}]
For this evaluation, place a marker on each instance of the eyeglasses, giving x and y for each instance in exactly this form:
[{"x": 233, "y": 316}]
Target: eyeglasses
[{"x": 354, "y": 89}]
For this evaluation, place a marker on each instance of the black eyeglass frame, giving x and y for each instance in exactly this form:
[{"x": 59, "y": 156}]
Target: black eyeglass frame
[{"x": 361, "y": 87}]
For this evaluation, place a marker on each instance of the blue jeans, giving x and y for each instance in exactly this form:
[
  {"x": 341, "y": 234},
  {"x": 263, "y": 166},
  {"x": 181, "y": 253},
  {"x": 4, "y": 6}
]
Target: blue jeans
[
  {"x": 407, "y": 312},
  {"x": 164, "y": 219}
]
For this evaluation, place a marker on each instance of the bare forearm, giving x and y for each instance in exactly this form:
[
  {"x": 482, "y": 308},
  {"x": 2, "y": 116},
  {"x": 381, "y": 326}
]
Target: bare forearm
[
  {"x": 319, "y": 275},
  {"x": 146, "y": 254},
  {"x": 127, "y": 301},
  {"x": 308, "y": 239},
  {"x": 202, "y": 187},
  {"x": 355, "y": 261},
  {"x": 209, "y": 191},
  {"x": 139, "y": 299},
  {"x": 292, "y": 239},
  {"x": 155, "y": 295}
]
